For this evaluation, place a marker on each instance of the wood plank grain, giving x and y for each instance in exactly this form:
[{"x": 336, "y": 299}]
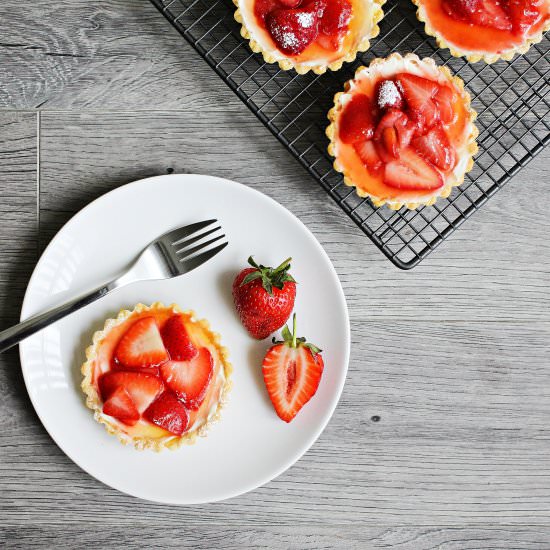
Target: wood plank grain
[
  {"x": 470, "y": 277},
  {"x": 461, "y": 438},
  {"x": 284, "y": 537},
  {"x": 97, "y": 55},
  {"x": 18, "y": 250}
]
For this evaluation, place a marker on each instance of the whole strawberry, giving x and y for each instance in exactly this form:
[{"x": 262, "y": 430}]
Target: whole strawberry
[{"x": 264, "y": 297}]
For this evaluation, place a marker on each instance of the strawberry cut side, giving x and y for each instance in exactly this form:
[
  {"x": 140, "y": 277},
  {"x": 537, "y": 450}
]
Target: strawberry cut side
[
  {"x": 412, "y": 172},
  {"x": 142, "y": 388},
  {"x": 524, "y": 14},
  {"x": 393, "y": 133},
  {"x": 436, "y": 148},
  {"x": 176, "y": 340},
  {"x": 366, "y": 151},
  {"x": 336, "y": 17},
  {"x": 120, "y": 406},
  {"x": 141, "y": 346},
  {"x": 189, "y": 380},
  {"x": 292, "y": 372},
  {"x": 169, "y": 413},
  {"x": 419, "y": 93}
]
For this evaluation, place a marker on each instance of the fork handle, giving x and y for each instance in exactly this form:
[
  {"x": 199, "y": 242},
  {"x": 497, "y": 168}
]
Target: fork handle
[{"x": 15, "y": 334}]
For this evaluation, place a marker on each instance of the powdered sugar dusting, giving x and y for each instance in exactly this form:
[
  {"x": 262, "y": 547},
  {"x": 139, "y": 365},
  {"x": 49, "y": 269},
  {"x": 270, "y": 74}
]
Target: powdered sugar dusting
[
  {"x": 388, "y": 94},
  {"x": 305, "y": 19}
]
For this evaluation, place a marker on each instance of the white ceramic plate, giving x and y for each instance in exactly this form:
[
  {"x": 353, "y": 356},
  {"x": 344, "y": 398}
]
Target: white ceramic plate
[{"x": 250, "y": 445}]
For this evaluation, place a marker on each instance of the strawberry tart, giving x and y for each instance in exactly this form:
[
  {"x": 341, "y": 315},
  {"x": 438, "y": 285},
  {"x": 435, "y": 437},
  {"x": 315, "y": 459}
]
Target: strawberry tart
[
  {"x": 485, "y": 29},
  {"x": 402, "y": 132},
  {"x": 156, "y": 377},
  {"x": 309, "y": 35}
]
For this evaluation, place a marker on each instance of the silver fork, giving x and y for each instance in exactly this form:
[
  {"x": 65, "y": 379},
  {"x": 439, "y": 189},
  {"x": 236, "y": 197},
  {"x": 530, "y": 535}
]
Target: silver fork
[{"x": 174, "y": 253}]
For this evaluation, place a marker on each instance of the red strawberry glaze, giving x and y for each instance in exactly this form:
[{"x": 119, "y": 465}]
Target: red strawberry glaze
[
  {"x": 346, "y": 24},
  {"x": 372, "y": 181},
  {"x": 200, "y": 338},
  {"x": 470, "y": 37}
]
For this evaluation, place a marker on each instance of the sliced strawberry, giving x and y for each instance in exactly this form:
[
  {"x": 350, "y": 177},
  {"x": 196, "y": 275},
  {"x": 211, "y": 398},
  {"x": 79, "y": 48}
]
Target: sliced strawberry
[
  {"x": 388, "y": 95},
  {"x": 176, "y": 340},
  {"x": 336, "y": 17},
  {"x": 292, "y": 371},
  {"x": 412, "y": 172},
  {"x": 356, "y": 121},
  {"x": 419, "y": 93},
  {"x": 524, "y": 14},
  {"x": 294, "y": 29},
  {"x": 189, "y": 380},
  {"x": 142, "y": 388},
  {"x": 435, "y": 147},
  {"x": 169, "y": 413},
  {"x": 369, "y": 156},
  {"x": 493, "y": 15},
  {"x": 443, "y": 99},
  {"x": 120, "y": 406},
  {"x": 141, "y": 346},
  {"x": 393, "y": 133}
]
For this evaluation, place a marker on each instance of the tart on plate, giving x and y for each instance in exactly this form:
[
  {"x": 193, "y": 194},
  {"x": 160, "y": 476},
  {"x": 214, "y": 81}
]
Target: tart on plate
[
  {"x": 309, "y": 35},
  {"x": 156, "y": 376},
  {"x": 485, "y": 30},
  {"x": 402, "y": 132}
]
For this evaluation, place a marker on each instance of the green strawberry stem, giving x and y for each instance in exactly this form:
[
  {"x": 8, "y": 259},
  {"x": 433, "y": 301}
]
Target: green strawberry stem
[
  {"x": 270, "y": 277},
  {"x": 292, "y": 341}
]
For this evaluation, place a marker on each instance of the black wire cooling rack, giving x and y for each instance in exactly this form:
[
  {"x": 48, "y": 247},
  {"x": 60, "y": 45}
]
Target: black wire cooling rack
[{"x": 512, "y": 100}]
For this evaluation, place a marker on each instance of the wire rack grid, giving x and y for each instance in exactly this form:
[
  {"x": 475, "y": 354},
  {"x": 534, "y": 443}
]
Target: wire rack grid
[{"x": 512, "y": 100}]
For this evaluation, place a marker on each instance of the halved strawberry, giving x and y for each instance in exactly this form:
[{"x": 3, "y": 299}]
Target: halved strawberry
[
  {"x": 290, "y": 3},
  {"x": 142, "y": 388},
  {"x": 388, "y": 95},
  {"x": 176, "y": 340},
  {"x": 120, "y": 406},
  {"x": 461, "y": 9},
  {"x": 169, "y": 413},
  {"x": 369, "y": 156},
  {"x": 419, "y": 93},
  {"x": 336, "y": 17},
  {"x": 436, "y": 148},
  {"x": 393, "y": 133},
  {"x": 294, "y": 29},
  {"x": 189, "y": 380},
  {"x": 292, "y": 371},
  {"x": 356, "y": 121},
  {"x": 412, "y": 172},
  {"x": 443, "y": 99},
  {"x": 141, "y": 346},
  {"x": 524, "y": 13}
]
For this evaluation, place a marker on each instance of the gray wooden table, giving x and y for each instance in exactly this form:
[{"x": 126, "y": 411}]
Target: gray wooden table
[{"x": 451, "y": 358}]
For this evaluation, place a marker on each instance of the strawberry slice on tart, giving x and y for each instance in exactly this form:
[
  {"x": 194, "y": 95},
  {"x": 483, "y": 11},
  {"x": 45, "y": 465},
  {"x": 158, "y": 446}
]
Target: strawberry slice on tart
[
  {"x": 485, "y": 30},
  {"x": 156, "y": 376},
  {"x": 409, "y": 138},
  {"x": 309, "y": 35}
]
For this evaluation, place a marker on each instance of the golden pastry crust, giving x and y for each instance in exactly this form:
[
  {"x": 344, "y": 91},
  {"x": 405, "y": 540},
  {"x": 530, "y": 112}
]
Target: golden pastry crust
[
  {"x": 287, "y": 63},
  {"x": 474, "y": 57},
  {"x": 94, "y": 402},
  {"x": 470, "y": 148}
]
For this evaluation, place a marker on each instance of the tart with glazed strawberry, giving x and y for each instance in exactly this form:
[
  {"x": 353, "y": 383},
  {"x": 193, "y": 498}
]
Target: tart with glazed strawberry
[
  {"x": 402, "y": 132},
  {"x": 485, "y": 30},
  {"x": 309, "y": 35},
  {"x": 156, "y": 376}
]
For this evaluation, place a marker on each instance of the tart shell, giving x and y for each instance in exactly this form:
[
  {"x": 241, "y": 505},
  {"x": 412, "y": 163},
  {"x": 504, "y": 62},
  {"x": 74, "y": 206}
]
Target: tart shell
[
  {"x": 287, "y": 63},
  {"x": 94, "y": 402},
  {"x": 470, "y": 145},
  {"x": 474, "y": 57}
]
